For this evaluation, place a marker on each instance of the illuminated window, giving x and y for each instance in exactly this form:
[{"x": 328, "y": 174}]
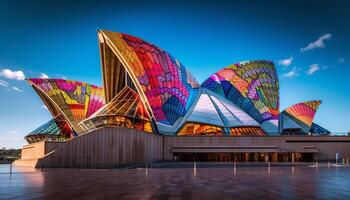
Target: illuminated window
[
  {"x": 200, "y": 129},
  {"x": 124, "y": 110},
  {"x": 236, "y": 131}
]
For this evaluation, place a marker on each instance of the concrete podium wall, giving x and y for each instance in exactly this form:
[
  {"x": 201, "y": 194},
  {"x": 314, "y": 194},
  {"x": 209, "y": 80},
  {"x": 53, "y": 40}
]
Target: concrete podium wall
[
  {"x": 106, "y": 148},
  {"x": 115, "y": 147},
  {"x": 35, "y": 150},
  {"x": 31, "y": 153}
]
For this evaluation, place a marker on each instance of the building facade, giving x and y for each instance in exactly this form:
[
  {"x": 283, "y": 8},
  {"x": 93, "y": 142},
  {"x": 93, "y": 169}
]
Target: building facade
[{"x": 146, "y": 90}]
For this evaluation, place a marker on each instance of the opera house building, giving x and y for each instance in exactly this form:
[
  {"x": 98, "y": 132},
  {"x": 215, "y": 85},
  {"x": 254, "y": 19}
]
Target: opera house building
[{"x": 151, "y": 108}]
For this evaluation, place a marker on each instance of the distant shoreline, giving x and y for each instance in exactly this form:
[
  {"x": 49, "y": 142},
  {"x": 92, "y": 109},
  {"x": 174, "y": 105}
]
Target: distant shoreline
[
  {"x": 7, "y": 156},
  {"x": 5, "y": 162}
]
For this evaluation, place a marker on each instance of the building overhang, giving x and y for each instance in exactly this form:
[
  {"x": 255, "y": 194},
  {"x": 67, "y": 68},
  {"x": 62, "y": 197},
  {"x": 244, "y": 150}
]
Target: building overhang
[
  {"x": 241, "y": 149},
  {"x": 228, "y": 149},
  {"x": 309, "y": 149}
]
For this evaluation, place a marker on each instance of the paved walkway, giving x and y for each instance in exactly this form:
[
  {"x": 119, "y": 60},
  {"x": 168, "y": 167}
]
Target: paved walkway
[{"x": 174, "y": 182}]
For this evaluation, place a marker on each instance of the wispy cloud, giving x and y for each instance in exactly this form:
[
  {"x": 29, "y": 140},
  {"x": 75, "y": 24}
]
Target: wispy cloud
[
  {"x": 292, "y": 73},
  {"x": 17, "y": 75},
  {"x": 7, "y": 85},
  {"x": 319, "y": 43},
  {"x": 312, "y": 69},
  {"x": 64, "y": 77},
  {"x": 341, "y": 60},
  {"x": 286, "y": 62},
  {"x": 44, "y": 107},
  {"x": 42, "y": 75},
  {"x": 16, "y": 89},
  {"x": 4, "y": 83},
  {"x": 14, "y": 132}
]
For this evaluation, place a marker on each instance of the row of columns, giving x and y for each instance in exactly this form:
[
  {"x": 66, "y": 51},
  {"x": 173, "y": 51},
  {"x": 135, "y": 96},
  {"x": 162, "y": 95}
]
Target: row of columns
[{"x": 273, "y": 158}]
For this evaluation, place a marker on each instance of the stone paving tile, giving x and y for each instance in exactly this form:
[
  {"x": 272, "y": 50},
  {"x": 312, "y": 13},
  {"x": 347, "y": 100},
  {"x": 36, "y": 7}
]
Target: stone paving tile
[{"x": 179, "y": 183}]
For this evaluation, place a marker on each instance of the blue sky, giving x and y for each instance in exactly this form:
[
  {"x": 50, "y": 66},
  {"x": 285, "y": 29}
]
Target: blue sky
[{"x": 307, "y": 40}]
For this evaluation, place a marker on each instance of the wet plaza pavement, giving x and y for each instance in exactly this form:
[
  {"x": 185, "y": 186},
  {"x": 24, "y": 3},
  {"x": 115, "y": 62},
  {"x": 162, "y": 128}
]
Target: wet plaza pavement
[{"x": 179, "y": 181}]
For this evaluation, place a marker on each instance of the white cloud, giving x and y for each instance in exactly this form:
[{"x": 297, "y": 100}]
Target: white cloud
[
  {"x": 64, "y": 77},
  {"x": 17, "y": 89},
  {"x": 286, "y": 62},
  {"x": 319, "y": 43},
  {"x": 292, "y": 73},
  {"x": 341, "y": 60},
  {"x": 312, "y": 69},
  {"x": 4, "y": 83},
  {"x": 18, "y": 75},
  {"x": 44, "y": 107},
  {"x": 14, "y": 132},
  {"x": 42, "y": 75}
]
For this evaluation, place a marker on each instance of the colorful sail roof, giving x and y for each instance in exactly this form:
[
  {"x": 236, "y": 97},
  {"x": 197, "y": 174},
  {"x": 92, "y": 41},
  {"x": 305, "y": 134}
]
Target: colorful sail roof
[
  {"x": 55, "y": 128},
  {"x": 163, "y": 82},
  {"x": 157, "y": 94},
  {"x": 252, "y": 85},
  {"x": 73, "y": 99},
  {"x": 303, "y": 112}
]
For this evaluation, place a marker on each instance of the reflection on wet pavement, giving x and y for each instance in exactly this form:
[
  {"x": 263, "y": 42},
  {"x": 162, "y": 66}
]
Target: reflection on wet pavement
[{"x": 174, "y": 182}]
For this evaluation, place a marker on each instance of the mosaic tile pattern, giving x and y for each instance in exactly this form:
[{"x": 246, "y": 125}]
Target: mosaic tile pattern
[
  {"x": 168, "y": 86},
  {"x": 56, "y": 128},
  {"x": 77, "y": 100},
  {"x": 304, "y": 112},
  {"x": 253, "y": 86}
]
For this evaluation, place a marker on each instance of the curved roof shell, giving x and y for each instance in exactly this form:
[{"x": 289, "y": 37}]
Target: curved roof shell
[
  {"x": 300, "y": 115},
  {"x": 165, "y": 86},
  {"x": 252, "y": 85},
  {"x": 73, "y": 100},
  {"x": 55, "y": 128},
  {"x": 164, "y": 96}
]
